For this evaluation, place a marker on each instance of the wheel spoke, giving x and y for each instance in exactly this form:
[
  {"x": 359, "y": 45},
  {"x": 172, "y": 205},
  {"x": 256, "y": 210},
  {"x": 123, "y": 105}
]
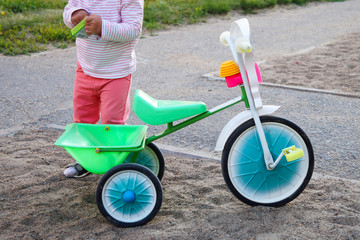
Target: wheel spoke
[
  {"x": 143, "y": 201},
  {"x": 116, "y": 183},
  {"x": 139, "y": 184},
  {"x": 259, "y": 187},
  {"x": 295, "y": 172},
  {"x": 140, "y": 208},
  {"x": 118, "y": 207},
  {"x": 147, "y": 157},
  {"x": 143, "y": 190},
  {"x": 112, "y": 196},
  {"x": 254, "y": 146},
  {"x": 114, "y": 190},
  {"x": 245, "y": 174},
  {"x": 135, "y": 183},
  {"x": 247, "y": 184},
  {"x": 287, "y": 180},
  {"x": 277, "y": 138},
  {"x": 250, "y": 160}
]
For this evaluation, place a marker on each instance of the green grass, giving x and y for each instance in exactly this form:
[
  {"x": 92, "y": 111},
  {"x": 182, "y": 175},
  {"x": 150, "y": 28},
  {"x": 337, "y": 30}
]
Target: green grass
[
  {"x": 28, "y": 26},
  {"x": 29, "y": 32},
  {"x": 19, "y": 6}
]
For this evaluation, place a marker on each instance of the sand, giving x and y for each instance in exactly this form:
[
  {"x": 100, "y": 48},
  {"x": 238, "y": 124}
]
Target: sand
[
  {"x": 333, "y": 67},
  {"x": 37, "y": 202}
]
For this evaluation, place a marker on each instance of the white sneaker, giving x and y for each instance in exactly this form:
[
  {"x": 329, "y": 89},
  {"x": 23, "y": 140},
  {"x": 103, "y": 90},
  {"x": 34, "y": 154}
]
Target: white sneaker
[
  {"x": 75, "y": 170},
  {"x": 70, "y": 172}
]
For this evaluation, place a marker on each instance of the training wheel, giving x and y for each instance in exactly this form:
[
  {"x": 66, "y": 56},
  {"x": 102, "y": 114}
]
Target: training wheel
[{"x": 129, "y": 195}]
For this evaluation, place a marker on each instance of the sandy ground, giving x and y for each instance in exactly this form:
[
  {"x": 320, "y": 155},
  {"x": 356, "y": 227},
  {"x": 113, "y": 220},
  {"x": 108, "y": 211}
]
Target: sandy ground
[
  {"x": 36, "y": 202},
  {"x": 333, "y": 67}
]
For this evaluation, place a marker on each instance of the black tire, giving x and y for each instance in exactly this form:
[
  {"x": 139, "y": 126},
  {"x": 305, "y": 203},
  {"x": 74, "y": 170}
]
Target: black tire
[
  {"x": 152, "y": 158},
  {"x": 244, "y": 169},
  {"x": 129, "y": 195}
]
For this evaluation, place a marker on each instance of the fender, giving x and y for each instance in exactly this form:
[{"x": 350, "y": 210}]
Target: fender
[{"x": 239, "y": 119}]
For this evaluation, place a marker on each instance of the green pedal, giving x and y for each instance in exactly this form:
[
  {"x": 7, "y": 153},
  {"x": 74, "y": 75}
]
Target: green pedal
[{"x": 293, "y": 153}]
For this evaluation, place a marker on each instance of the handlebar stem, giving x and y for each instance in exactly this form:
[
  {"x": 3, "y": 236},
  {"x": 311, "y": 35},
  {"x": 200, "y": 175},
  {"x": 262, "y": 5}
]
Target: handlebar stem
[{"x": 239, "y": 59}]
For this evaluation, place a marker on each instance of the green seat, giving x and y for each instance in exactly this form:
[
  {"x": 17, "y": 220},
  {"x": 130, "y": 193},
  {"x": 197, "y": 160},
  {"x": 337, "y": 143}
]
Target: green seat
[{"x": 157, "y": 112}]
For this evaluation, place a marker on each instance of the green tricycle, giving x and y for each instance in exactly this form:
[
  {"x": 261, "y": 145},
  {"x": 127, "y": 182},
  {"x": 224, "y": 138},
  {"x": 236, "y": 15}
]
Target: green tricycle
[{"x": 266, "y": 160}]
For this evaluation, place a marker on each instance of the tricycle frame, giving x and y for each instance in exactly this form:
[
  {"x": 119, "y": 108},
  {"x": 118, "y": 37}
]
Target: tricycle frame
[
  {"x": 129, "y": 186},
  {"x": 171, "y": 128}
]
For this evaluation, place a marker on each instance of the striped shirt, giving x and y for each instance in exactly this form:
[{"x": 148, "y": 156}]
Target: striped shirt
[{"x": 112, "y": 55}]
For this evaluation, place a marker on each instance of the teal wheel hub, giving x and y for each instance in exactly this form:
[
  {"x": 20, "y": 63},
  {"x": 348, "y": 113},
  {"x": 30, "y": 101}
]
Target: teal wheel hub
[{"x": 128, "y": 196}]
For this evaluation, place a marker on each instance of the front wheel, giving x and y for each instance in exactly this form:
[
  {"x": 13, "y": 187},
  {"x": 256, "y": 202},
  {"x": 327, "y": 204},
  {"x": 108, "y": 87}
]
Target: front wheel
[
  {"x": 129, "y": 195},
  {"x": 244, "y": 169}
]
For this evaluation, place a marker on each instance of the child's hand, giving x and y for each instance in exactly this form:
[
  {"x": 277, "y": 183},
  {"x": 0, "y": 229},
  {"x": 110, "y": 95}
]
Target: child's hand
[
  {"x": 93, "y": 24},
  {"x": 78, "y": 15}
]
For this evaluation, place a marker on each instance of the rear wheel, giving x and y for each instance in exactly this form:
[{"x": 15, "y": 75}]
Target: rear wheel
[
  {"x": 151, "y": 158},
  {"x": 244, "y": 169},
  {"x": 129, "y": 195}
]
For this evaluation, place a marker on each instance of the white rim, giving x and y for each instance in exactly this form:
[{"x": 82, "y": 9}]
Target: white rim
[
  {"x": 135, "y": 181},
  {"x": 261, "y": 185}
]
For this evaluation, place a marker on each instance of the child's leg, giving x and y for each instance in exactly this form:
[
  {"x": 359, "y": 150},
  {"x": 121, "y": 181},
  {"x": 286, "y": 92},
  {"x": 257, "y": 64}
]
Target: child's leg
[
  {"x": 86, "y": 99},
  {"x": 115, "y": 101}
]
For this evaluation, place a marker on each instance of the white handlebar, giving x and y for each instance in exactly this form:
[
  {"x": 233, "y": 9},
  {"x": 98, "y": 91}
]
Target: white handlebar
[
  {"x": 238, "y": 40},
  {"x": 224, "y": 38},
  {"x": 242, "y": 45}
]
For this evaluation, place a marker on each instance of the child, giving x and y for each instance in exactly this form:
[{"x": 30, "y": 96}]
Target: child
[{"x": 105, "y": 61}]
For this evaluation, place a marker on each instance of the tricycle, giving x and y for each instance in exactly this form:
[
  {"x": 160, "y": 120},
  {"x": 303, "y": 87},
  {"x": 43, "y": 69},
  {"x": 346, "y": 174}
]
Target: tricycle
[{"x": 266, "y": 160}]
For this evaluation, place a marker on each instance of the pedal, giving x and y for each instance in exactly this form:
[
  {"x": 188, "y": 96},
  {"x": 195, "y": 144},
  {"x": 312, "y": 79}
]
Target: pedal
[{"x": 293, "y": 153}]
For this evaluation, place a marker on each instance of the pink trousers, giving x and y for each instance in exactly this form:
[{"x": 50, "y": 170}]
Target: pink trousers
[{"x": 96, "y": 98}]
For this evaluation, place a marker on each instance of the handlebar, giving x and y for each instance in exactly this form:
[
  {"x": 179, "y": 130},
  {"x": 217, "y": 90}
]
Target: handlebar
[
  {"x": 242, "y": 45},
  {"x": 238, "y": 40}
]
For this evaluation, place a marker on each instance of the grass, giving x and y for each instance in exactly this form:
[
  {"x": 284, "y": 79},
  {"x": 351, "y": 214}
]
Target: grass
[
  {"x": 27, "y": 32},
  {"x": 28, "y": 26}
]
